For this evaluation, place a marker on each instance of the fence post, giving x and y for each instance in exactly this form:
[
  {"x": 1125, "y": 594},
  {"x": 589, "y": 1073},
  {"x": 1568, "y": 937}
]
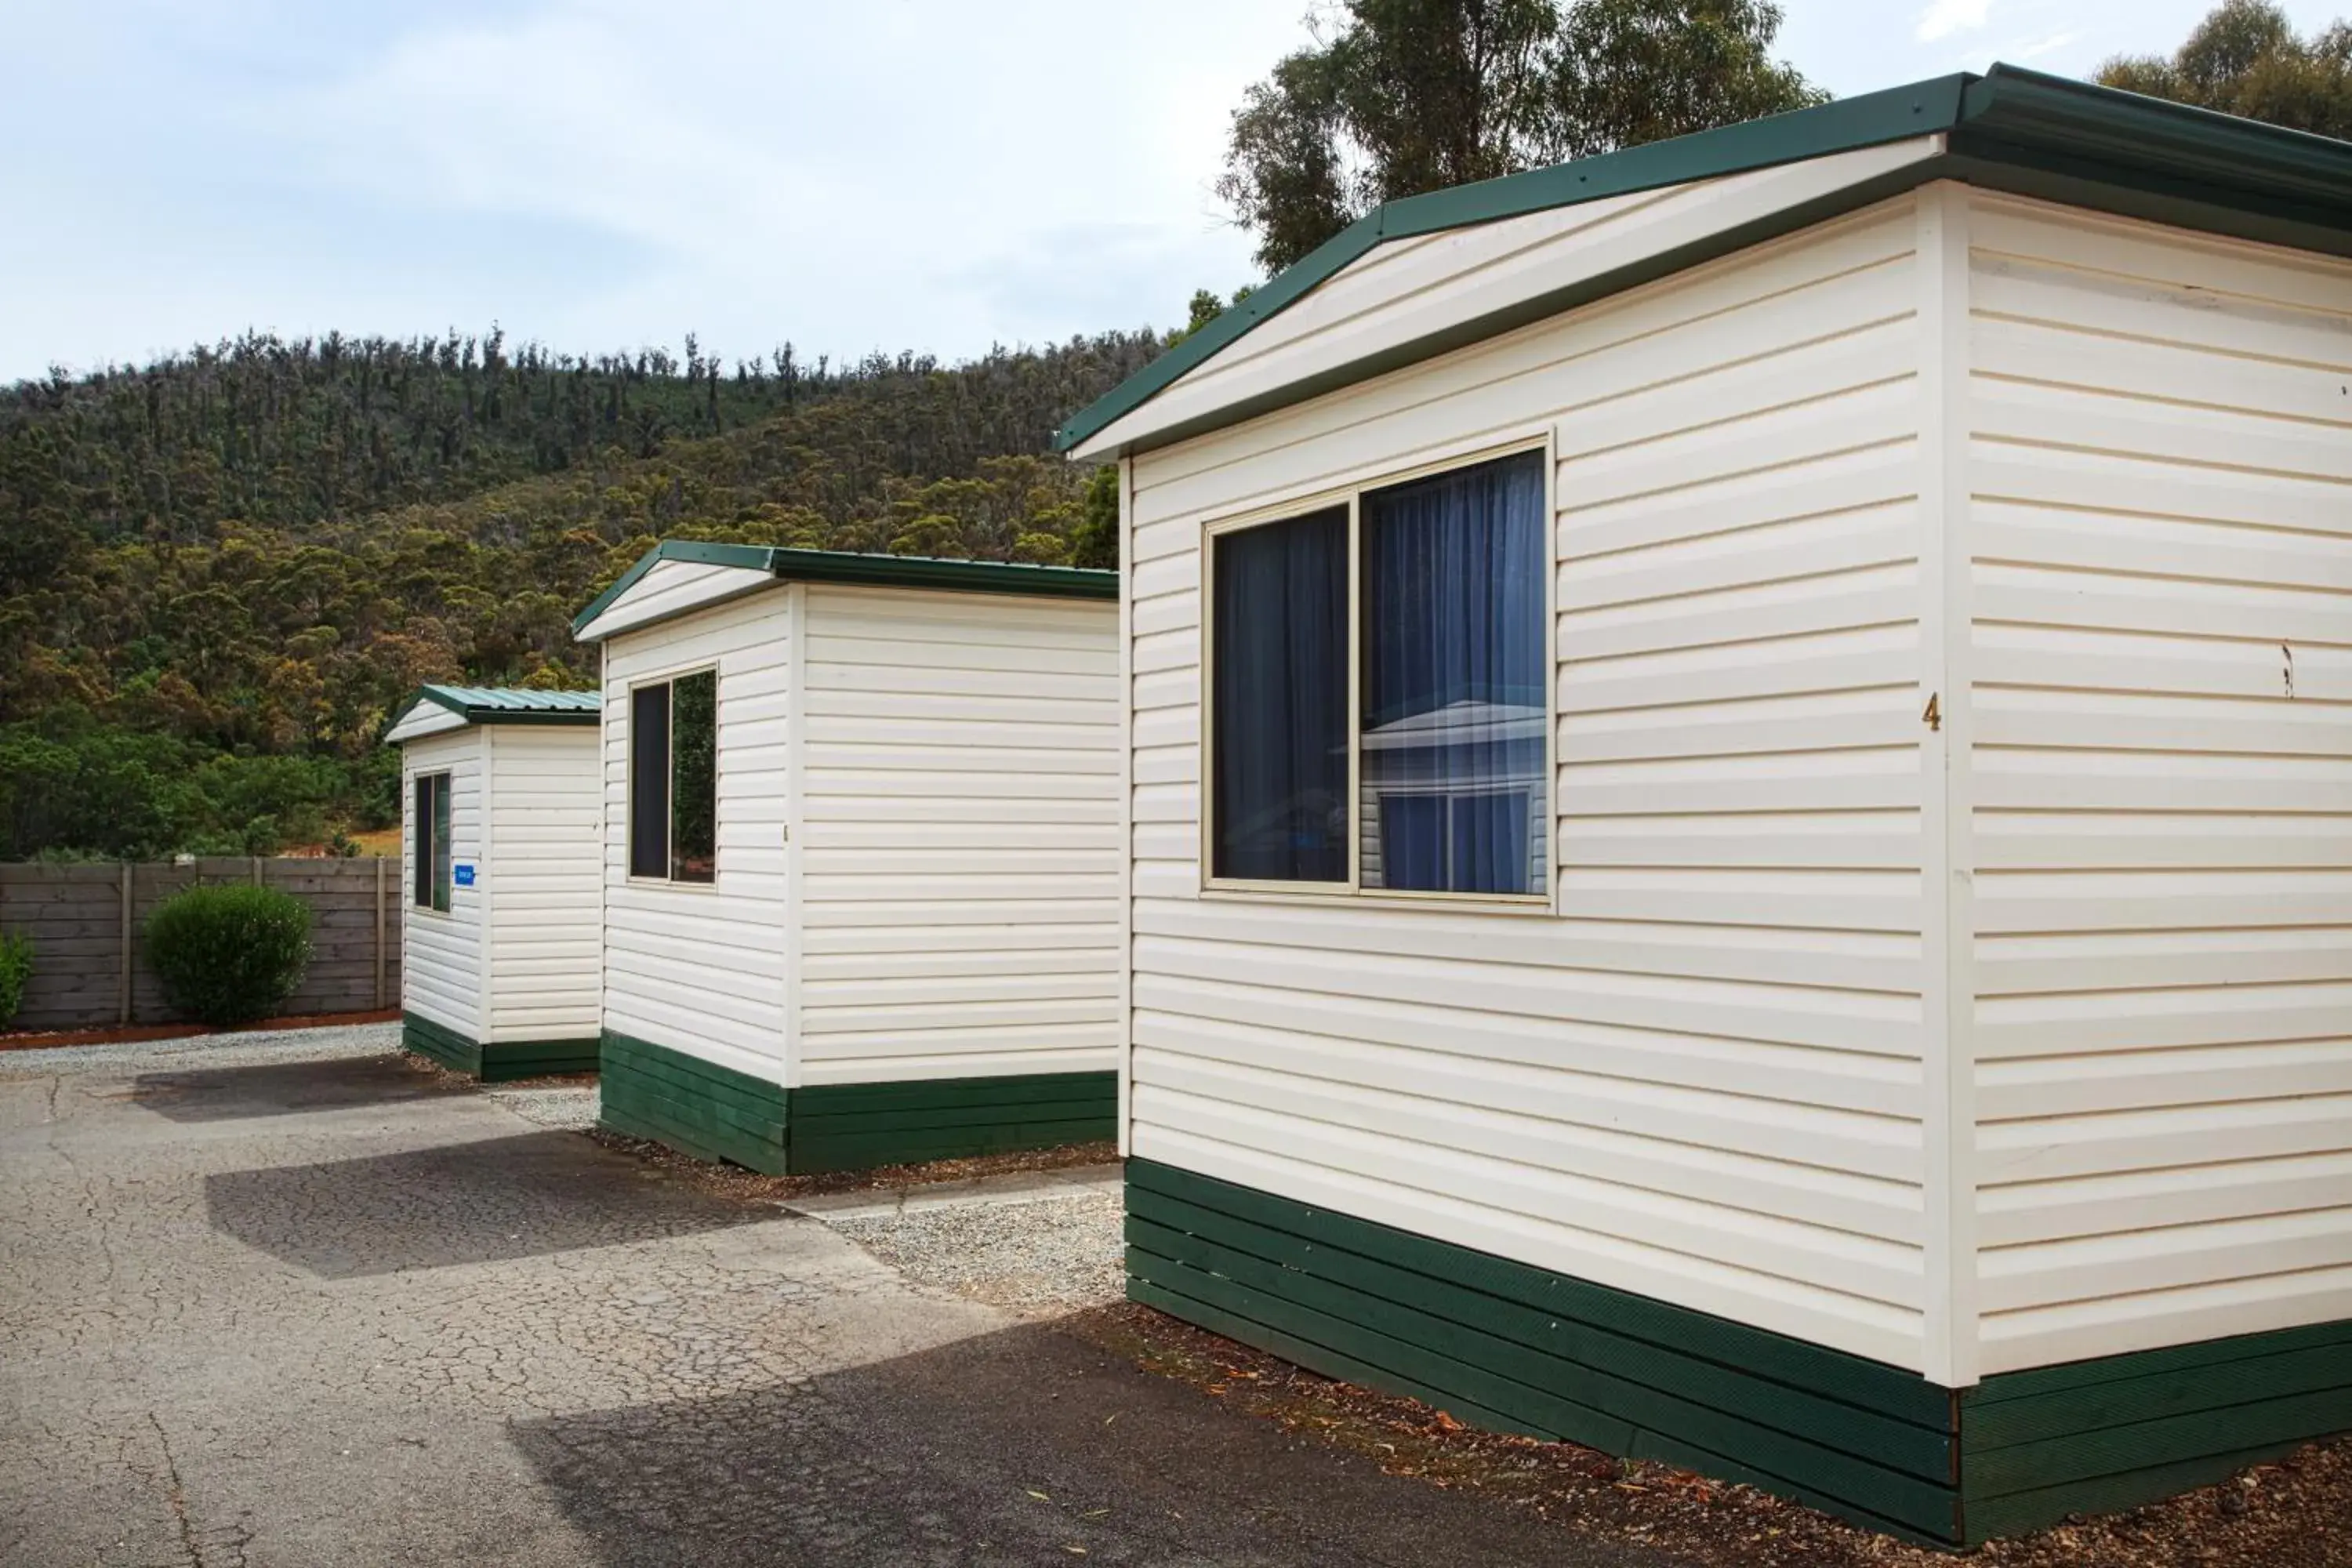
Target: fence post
[
  {"x": 257, "y": 870},
  {"x": 122, "y": 1003},
  {"x": 379, "y": 933}
]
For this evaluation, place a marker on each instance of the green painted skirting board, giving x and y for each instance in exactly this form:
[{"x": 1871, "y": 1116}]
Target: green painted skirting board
[
  {"x": 439, "y": 1043},
  {"x": 2090, "y": 1437},
  {"x": 696, "y": 1106},
  {"x": 716, "y": 1113},
  {"x": 1525, "y": 1350},
  {"x": 497, "y": 1060}
]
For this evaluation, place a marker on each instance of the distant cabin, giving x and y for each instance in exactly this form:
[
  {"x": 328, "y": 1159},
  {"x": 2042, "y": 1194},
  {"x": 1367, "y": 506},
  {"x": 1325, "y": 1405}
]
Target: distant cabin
[
  {"x": 862, "y": 863},
  {"x": 1742, "y": 796},
  {"x": 501, "y": 826}
]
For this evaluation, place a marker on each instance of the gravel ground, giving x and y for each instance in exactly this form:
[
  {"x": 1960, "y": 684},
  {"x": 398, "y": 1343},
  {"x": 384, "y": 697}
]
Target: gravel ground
[
  {"x": 257, "y": 1047},
  {"x": 1039, "y": 1254},
  {"x": 568, "y": 1104}
]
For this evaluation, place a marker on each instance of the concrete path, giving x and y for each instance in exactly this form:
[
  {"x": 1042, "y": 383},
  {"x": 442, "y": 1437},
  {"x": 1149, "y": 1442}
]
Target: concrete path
[{"x": 301, "y": 1310}]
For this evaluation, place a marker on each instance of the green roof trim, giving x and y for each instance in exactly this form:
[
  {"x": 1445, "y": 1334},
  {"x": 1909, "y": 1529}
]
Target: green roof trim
[
  {"x": 506, "y": 704},
  {"x": 2011, "y": 129},
  {"x": 863, "y": 570}
]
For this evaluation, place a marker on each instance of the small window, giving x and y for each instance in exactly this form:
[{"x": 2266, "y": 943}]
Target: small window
[
  {"x": 674, "y": 779},
  {"x": 1416, "y": 762},
  {"x": 432, "y": 842}
]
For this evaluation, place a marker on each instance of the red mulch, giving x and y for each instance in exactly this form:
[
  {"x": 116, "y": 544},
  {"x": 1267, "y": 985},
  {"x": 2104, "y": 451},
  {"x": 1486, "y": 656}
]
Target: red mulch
[
  {"x": 749, "y": 1186},
  {"x": 2292, "y": 1514},
  {"x": 33, "y": 1040}
]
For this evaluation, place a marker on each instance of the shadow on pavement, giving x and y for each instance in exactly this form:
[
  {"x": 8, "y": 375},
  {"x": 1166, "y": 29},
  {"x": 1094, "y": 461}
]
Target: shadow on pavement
[
  {"x": 460, "y": 1203},
  {"x": 1023, "y": 1447},
  {"x": 282, "y": 1089}
]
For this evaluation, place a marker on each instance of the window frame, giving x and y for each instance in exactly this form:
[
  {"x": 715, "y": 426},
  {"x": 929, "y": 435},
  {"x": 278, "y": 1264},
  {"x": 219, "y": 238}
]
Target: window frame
[
  {"x": 629, "y": 794},
  {"x": 1352, "y": 893},
  {"x": 427, "y": 864}
]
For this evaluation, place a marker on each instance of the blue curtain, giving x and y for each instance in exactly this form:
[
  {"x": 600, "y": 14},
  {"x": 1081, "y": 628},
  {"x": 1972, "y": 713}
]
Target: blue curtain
[
  {"x": 1456, "y": 655},
  {"x": 1279, "y": 745}
]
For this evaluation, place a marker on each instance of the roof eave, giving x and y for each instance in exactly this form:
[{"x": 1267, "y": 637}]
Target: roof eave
[
  {"x": 1134, "y": 433},
  {"x": 1843, "y": 125},
  {"x": 2011, "y": 129},
  {"x": 466, "y": 713},
  {"x": 781, "y": 564},
  {"x": 532, "y": 716},
  {"x": 926, "y": 572}
]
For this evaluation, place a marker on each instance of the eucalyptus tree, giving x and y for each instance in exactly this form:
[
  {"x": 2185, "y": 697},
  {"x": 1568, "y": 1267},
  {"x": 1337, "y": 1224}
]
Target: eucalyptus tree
[
  {"x": 1393, "y": 97},
  {"x": 2245, "y": 58}
]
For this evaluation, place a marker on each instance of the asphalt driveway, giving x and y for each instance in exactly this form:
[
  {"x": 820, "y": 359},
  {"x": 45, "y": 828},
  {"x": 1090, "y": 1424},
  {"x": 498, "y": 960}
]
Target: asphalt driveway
[{"x": 314, "y": 1310}]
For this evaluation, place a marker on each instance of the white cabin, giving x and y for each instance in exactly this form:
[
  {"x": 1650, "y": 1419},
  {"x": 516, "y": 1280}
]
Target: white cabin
[
  {"x": 1897, "y": 1047},
  {"x": 501, "y": 855},
  {"x": 862, "y": 863}
]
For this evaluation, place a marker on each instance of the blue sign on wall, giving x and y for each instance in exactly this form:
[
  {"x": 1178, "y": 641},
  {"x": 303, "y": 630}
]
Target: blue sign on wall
[{"x": 462, "y": 875}]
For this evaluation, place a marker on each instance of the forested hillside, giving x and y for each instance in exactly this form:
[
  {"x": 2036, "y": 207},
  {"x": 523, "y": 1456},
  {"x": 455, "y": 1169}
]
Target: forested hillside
[{"x": 219, "y": 573}]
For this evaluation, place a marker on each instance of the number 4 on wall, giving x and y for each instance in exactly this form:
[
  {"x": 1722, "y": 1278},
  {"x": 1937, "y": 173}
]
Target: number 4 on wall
[{"x": 1934, "y": 717}]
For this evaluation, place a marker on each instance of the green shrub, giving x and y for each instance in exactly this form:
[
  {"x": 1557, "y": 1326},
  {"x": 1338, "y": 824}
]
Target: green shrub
[
  {"x": 15, "y": 968},
  {"x": 229, "y": 954}
]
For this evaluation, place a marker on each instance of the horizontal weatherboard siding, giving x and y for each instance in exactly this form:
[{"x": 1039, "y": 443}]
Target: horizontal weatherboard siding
[
  {"x": 441, "y": 967},
  {"x": 1702, "y": 1080},
  {"x": 701, "y": 966},
  {"x": 1535, "y": 1351},
  {"x": 543, "y": 862},
  {"x": 2159, "y": 534},
  {"x": 957, "y": 837}
]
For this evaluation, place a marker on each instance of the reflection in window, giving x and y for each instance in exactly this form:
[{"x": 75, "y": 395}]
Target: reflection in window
[
  {"x": 674, "y": 779},
  {"x": 1453, "y": 710},
  {"x": 694, "y": 778}
]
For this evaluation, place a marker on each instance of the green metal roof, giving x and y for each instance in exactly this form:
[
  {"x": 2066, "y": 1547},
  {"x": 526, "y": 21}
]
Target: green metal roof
[
  {"x": 2011, "y": 129},
  {"x": 506, "y": 704},
  {"x": 870, "y": 570}
]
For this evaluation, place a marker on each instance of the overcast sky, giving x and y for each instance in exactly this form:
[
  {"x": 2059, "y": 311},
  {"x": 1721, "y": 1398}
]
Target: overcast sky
[{"x": 933, "y": 174}]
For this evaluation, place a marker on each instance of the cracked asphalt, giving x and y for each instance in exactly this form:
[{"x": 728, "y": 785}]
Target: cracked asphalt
[{"x": 318, "y": 1310}]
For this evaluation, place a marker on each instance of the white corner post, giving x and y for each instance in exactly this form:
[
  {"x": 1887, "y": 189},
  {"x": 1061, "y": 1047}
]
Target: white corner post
[
  {"x": 1127, "y": 797},
  {"x": 796, "y": 664},
  {"x": 1947, "y": 930}
]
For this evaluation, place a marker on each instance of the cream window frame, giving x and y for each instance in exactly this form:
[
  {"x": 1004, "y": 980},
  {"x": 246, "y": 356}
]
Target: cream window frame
[
  {"x": 424, "y": 838},
  {"x": 628, "y": 765},
  {"x": 1352, "y": 892}
]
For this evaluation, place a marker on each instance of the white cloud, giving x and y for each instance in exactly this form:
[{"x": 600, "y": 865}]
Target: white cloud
[
  {"x": 1944, "y": 17},
  {"x": 900, "y": 174},
  {"x": 865, "y": 176},
  {"x": 919, "y": 174},
  {"x": 2038, "y": 48}
]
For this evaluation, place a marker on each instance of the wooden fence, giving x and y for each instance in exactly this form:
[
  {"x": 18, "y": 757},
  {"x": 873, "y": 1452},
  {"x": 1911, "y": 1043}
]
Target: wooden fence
[{"x": 87, "y": 923}]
